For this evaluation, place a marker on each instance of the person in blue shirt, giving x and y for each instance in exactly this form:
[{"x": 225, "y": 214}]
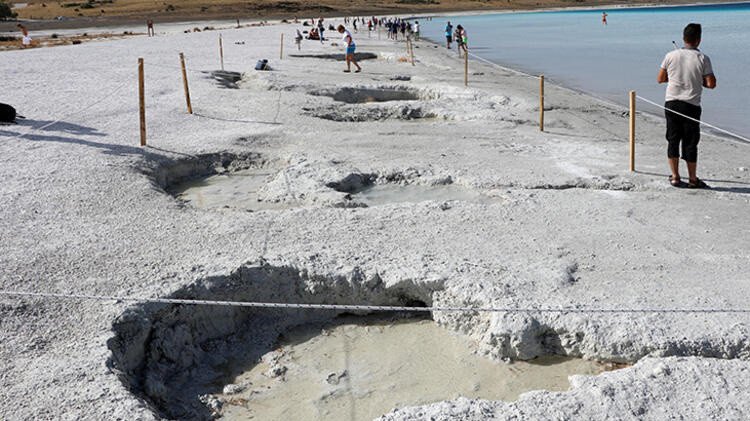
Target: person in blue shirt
[{"x": 448, "y": 34}]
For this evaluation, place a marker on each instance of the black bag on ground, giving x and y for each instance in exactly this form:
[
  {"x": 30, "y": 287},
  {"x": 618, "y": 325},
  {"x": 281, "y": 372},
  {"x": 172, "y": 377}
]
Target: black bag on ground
[
  {"x": 261, "y": 65},
  {"x": 7, "y": 113}
]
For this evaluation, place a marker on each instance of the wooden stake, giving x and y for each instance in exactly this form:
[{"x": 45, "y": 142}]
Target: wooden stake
[
  {"x": 541, "y": 103},
  {"x": 185, "y": 82},
  {"x": 221, "y": 52},
  {"x": 378, "y": 33},
  {"x": 281, "y": 48},
  {"x": 142, "y": 101},
  {"x": 632, "y": 130},
  {"x": 411, "y": 48},
  {"x": 466, "y": 68}
]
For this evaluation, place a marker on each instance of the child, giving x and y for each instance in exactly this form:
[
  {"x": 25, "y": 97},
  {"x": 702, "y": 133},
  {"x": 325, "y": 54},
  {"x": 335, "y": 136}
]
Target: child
[
  {"x": 26, "y": 41},
  {"x": 350, "y": 46}
]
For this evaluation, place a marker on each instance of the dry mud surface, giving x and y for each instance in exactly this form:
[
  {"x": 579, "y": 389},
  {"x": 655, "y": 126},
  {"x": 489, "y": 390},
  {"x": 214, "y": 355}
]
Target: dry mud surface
[{"x": 87, "y": 211}]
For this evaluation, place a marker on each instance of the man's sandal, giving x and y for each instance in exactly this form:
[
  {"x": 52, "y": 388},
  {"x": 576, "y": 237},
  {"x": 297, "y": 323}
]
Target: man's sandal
[
  {"x": 697, "y": 184},
  {"x": 675, "y": 181}
]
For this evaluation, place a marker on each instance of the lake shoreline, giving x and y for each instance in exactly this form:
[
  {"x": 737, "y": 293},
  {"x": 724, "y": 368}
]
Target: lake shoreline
[{"x": 110, "y": 22}]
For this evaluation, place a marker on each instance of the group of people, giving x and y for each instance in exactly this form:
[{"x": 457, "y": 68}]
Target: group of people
[{"x": 459, "y": 34}]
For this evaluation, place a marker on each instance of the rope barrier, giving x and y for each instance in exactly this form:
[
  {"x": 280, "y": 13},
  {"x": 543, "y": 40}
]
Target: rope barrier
[
  {"x": 695, "y": 120},
  {"x": 611, "y": 104},
  {"x": 79, "y": 111},
  {"x": 366, "y": 307},
  {"x": 735, "y": 135}
]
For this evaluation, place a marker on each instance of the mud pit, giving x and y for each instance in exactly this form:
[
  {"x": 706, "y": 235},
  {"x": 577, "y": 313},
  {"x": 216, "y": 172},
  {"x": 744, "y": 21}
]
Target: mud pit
[
  {"x": 383, "y": 194},
  {"x": 175, "y": 356},
  {"x": 361, "y": 367},
  {"x": 230, "y": 190},
  {"x": 351, "y": 95},
  {"x": 337, "y": 57},
  {"x": 227, "y": 79},
  {"x": 364, "y": 113}
]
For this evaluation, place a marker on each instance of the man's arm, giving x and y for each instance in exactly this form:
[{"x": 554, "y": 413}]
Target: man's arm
[
  {"x": 709, "y": 81},
  {"x": 662, "y": 77}
]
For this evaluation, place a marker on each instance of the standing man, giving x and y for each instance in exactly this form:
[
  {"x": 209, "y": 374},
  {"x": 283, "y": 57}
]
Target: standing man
[
  {"x": 350, "y": 46},
  {"x": 448, "y": 34},
  {"x": 321, "y": 28},
  {"x": 686, "y": 71},
  {"x": 604, "y": 18},
  {"x": 415, "y": 29},
  {"x": 150, "y": 27},
  {"x": 26, "y": 40}
]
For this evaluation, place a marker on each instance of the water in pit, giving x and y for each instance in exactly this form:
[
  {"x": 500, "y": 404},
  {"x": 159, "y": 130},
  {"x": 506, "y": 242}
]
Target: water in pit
[
  {"x": 235, "y": 190},
  {"x": 359, "y": 371},
  {"x": 381, "y": 194}
]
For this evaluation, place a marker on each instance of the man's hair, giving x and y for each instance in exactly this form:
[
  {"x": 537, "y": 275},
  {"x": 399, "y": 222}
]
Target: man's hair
[
  {"x": 692, "y": 33},
  {"x": 341, "y": 28}
]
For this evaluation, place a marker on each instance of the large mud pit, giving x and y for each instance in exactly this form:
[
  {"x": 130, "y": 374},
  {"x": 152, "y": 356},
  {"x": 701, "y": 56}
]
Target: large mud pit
[
  {"x": 359, "y": 368},
  {"x": 218, "y": 181},
  {"x": 174, "y": 355},
  {"x": 363, "y": 95},
  {"x": 200, "y": 361}
]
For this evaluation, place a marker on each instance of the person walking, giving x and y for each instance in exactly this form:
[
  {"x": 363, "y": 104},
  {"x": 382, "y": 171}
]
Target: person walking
[
  {"x": 457, "y": 37},
  {"x": 26, "y": 40},
  {"x": 321, "y": 29},
  {"x": 448, "y": 34},
  {"x": 350, "y": 47},
  {"x": 461, "y": 40},
  {"x": 686, "y": 71},
  {"x": 150, "y": 28},
  {"x": 604, "y": 18}
]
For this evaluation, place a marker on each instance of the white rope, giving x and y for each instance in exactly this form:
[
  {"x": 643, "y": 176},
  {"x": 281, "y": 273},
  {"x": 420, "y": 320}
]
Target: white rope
[
  {"x": 695, "y": 120},
  {"x": 108, "y": 96},
  {"x": 508, "y": 69},
  {"x": 365, "y": 307}
]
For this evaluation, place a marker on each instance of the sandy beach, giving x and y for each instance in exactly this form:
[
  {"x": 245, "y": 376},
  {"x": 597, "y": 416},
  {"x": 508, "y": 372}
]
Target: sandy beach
[{"x": 562, "y": 224}]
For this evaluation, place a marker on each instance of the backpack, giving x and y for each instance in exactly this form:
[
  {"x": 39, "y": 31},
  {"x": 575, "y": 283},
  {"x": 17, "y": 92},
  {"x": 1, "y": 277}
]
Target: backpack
[{"x": 7, "y": 113}]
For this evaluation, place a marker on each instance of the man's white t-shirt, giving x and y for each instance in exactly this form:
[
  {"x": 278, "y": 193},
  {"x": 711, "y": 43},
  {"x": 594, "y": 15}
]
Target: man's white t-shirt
[
  {"x": 686, "y": 69},
  {"x": 416, "y": 27}
]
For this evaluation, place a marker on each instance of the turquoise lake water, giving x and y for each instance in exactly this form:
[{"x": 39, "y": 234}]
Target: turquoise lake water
[{"x": 574, "y": 49}]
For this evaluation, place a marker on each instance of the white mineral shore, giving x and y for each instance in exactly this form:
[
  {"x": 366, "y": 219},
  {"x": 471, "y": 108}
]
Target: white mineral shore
[{"x": 85, "y": 211}]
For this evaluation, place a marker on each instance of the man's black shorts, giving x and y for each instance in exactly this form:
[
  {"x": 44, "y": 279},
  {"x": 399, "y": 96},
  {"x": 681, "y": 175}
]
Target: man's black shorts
[{"x": 681, "y": 129}]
